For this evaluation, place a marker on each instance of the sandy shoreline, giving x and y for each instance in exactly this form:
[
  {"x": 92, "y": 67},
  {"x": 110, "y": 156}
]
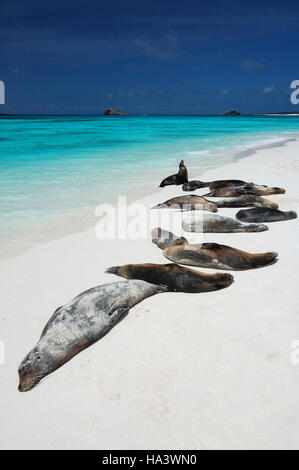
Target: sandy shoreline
[{"x": 181, "y": 371}]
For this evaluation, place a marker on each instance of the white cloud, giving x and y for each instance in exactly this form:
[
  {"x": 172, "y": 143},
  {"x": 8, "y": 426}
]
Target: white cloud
[{"x": 166, "y": 49}]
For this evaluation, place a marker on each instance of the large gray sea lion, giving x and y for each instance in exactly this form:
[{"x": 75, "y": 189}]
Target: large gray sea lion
[
  {"x": 179, "y": 178},
  {"x": 264, "y": 214},
  {"x": 176, "y": 278},
  {"x": 246, "y": 200},
  {"x": 212, "y": 223},
  {"x": 233, "y": 191},
  {"x": 188, "y": 203},
  {"x": 193, "y": 185},
  {"x": 80, "y": 323}
]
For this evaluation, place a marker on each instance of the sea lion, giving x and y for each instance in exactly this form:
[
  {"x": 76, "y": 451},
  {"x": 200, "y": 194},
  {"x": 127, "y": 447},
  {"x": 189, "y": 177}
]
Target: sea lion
[
  {"x": 221, "y": 183},
  {"x": 80, "y": 323},
  {"x": 176, "y": 278},
  {"x": 213, "y": 255},
  {"x": 193, "y": 185},
  {"x": 246, "y": 200},
  {"x": 233, "y": 191},
  {"x": 212, "y": 223},
  {"x": 264, "y": 214},
  {"x": 188, "y": 203},
  {"x": 179, "y": 178},
  {"x": 162, "y": 238}
]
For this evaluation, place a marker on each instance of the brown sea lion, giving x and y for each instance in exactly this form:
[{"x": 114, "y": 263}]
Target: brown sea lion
[
  {"x": 233, "y": 191},
  {"x": 246, "y": 200},
  {"x": 213, "y": 255},
  {"x": 174, "y": 277},
  {"x": 212, "y": 223},
  {"x": 264, "y": 214},
  {"x": 179, "y": 178},
  {"x": 80, "y": 323},
  {"x": 188, "y": 203},
  {"x": 193, "y": 185}
]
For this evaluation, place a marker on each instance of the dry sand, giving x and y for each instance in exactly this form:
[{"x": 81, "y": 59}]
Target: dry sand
[{"x": 181, "y": 371}]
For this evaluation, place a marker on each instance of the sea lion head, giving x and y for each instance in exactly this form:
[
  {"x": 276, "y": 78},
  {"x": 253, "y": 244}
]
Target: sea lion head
[
  {"x": 31, "y": 370},
  {"x": 274, "y": 190},
  {"x": 211, "y": 206},
  {"x": 182, "y": 168},
  {"x": 162, "y": 238},
  {"x": 267, "y": 203}
]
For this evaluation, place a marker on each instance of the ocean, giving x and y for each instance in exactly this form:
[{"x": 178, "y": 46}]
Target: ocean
[{"x": 54, "y": 170}]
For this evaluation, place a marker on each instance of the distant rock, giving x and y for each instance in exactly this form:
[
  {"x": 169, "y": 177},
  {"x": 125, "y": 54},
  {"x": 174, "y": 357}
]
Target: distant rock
[
  {"x": 113, "y": 112},
  {"x": 232, "y": 112}
]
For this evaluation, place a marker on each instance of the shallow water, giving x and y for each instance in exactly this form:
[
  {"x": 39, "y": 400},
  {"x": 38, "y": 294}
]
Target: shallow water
[{"x": 54, "y": 170}]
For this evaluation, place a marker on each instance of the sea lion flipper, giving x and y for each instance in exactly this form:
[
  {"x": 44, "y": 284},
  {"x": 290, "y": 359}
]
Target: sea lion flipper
[{"x": 118, "y": 314}]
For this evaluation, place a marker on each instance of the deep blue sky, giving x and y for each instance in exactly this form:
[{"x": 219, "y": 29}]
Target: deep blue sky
[{"x": 80, "y": 56}]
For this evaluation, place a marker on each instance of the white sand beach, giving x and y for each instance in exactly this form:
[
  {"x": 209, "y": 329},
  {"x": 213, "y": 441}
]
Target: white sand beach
[{"x": 181, "y": 371}]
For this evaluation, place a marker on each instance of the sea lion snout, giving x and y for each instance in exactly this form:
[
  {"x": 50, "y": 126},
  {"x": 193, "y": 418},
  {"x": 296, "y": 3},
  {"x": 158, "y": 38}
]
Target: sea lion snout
[
  {"x": 274, "y": 190},
  {"x": 28, "y": 372},
  {"x": 279, "y": 190},
  {"x": 257, "y": 227},
  {"x": 112, "y": 270}
]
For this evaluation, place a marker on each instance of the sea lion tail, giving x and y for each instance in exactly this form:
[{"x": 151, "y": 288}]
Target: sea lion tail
[{"x": 263, "y": 259}]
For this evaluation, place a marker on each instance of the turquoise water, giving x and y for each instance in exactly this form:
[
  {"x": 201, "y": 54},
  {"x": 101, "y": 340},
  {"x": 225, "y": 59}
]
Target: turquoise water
[{"x": 54, "y": 170}]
